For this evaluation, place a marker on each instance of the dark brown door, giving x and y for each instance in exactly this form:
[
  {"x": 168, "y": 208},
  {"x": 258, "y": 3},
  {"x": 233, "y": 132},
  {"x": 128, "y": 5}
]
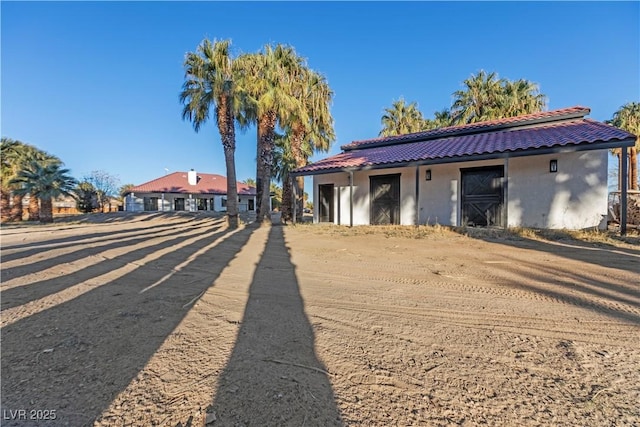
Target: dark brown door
[
  {"x": 482, "y": 196},
  {"x": 385, "y": 199},
  {"x": 326, "y": 203}
]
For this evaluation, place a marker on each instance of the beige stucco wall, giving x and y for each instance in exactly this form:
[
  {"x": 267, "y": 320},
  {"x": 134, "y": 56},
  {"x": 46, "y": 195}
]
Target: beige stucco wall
[{"x": 574, "y": 198}]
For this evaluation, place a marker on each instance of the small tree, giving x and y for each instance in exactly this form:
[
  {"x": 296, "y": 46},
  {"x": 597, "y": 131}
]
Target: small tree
[
  {"x": 86, "y": 197},
  {"x": 106, "y": 187}
]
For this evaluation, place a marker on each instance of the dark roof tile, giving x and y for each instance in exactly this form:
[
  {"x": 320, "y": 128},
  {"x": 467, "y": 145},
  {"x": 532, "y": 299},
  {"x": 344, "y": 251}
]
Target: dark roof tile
[{"x": 552, "y": 135}]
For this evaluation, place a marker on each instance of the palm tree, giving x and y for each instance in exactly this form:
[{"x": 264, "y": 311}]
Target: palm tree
[
  {"x": 478, "y": 100},
  {"x": 486, "y": 97},
  {"x": 17, "y": 155},
  {"x": 521, "y": 97},
  {"x": 401, "y": 118},
  {"x": 9, "y": 155},
  {"x": 46, "y": 181},
  {"x": 14, "y": 158},
  {"x": 441, "y": 119},
  {"x": 267, "y": 78},
  {"x": 210, "y": 80},
  {"x": 35, "y": 154},
  {"x": 310, "y": 129},
  {"x": 283, "y": 164},
  {"x": 627, "y": 117},
  {"x": 251, "y": 182}
]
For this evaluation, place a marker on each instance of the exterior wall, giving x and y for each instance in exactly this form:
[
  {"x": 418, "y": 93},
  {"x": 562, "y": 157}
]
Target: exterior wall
[
  {"x": 574, "y": 198},
  {"x": 134, "y": 202},
  {"x": 440, "y": 198},
  {"x": 361, "y": 196}
]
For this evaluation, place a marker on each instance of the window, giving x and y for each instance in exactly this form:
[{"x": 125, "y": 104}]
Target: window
[
  {"x": 224, "y": 202},
  {"x": 150, "y": 203}
]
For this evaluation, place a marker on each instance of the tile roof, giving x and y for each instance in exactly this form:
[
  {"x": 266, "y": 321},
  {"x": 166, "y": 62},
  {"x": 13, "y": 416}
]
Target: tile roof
[
  {"x": 177, "y": 182},
  {"x": 558, "y": 135},
  {"x": 509, "y": 122}
]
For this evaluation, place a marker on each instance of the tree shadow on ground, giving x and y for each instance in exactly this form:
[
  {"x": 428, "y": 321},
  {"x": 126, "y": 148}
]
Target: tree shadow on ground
[
  {"x": 20, "y": 295},
  {"x": 598, "y": 253},
  {"x": 273, "y": 376},
  {"x": 615, "y": 298},
  {"x": 73, "y": 239},
  {"x": 113, "y": 242},
  {"x": 617, "y": 301},
  {"x": 75, "y": 357}
]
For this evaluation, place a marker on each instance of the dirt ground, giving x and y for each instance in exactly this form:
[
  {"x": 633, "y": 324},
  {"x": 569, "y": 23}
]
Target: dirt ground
[{"x": 173, "y": 320}]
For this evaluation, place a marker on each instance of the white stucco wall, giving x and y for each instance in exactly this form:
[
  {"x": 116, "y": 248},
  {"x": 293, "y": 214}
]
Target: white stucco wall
[
  {"x": 135, "y": 202},
  {"x": 361, "y": 196},
  {"x": 574, "y": 198}
]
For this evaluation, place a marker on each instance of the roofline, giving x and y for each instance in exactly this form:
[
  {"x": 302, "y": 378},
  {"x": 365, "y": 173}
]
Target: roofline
[
  {"x": 628, "y": 142},
  {"x": 472, "y": 128}
]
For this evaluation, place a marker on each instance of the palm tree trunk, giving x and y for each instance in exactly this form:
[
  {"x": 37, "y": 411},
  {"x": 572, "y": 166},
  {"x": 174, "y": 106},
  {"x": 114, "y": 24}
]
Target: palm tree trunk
[
  {"x": 34, "y": 208},
  {"x": 286, "y": 198},
  {"x": 5, "y": 205},
  {"x": 299, "y": 183},
  {"x": 619, "y": 156},
  {"x": 259, "y": 173},
  {"x": 16, "y": 208},
  {"x": 46, "y": 211},
  {"x": 267, "y": 125},
  {"x": 300, "y": 160},
  {"x": 228, "y": 135},
  {"x": 633, "y": 168}
]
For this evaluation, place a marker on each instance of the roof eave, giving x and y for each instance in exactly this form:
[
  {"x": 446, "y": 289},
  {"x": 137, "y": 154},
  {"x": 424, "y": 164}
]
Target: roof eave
[{"x": 588, "y": 146}]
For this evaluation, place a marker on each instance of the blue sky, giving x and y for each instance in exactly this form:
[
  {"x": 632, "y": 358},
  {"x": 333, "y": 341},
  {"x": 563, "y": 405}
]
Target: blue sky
[{"x": 97, "y": 83}]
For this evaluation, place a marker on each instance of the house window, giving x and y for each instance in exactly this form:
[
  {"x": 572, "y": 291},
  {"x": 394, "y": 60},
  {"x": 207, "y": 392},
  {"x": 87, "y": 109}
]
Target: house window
[
  {"x": 150, "y": 203},
  {"x": 202, "y": 204},
  {"x": 224, "y": 202},
  {"x": 178, "y": 204}
]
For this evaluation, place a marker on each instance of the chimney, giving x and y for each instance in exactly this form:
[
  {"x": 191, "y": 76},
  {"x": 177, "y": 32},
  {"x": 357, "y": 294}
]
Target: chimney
[{"x": 192, "y": 177}]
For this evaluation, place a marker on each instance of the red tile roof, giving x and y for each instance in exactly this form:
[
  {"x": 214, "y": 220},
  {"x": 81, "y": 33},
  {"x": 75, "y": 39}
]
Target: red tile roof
[
  {"x": 560, "y": 130},
  {"x": 177, "y": 182}
]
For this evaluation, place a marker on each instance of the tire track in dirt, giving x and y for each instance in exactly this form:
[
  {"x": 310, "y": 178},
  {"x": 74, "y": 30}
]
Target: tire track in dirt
[{"x": 505, "y": 285}]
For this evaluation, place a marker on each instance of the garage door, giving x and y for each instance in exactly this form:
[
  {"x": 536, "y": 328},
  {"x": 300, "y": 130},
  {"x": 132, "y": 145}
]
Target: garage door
[
  {"x": 483, "y": 196},
  {"x": 385, "y": 199}
]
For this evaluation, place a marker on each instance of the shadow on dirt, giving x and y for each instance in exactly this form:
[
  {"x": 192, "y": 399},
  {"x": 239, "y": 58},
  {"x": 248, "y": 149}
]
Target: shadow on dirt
[
  {"x": 20, "y": 250},
  {"x": 615, "y": 300},
  {"x": 23, "y": 294},
  {"x": 87, "y": 247},
  {"x": 273, "y": 376},
  {"x": 562, "y": 244},
  {"x": 75, "y": 357}
]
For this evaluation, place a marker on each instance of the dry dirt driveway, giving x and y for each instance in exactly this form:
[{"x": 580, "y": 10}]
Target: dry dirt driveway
[{"x": 173, "y": 320}]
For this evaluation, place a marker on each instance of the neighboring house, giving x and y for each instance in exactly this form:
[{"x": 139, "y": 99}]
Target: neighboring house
[
  {"x": 68, "y": 205},
  {"x": 546, "y": 170},
  {"x": 187, "y": 191}
]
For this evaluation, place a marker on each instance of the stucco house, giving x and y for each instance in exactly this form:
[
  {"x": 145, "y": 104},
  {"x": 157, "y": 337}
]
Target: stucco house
[
  {"x": 543, "y": 170},
  {"x": 187, "y": 191}
]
